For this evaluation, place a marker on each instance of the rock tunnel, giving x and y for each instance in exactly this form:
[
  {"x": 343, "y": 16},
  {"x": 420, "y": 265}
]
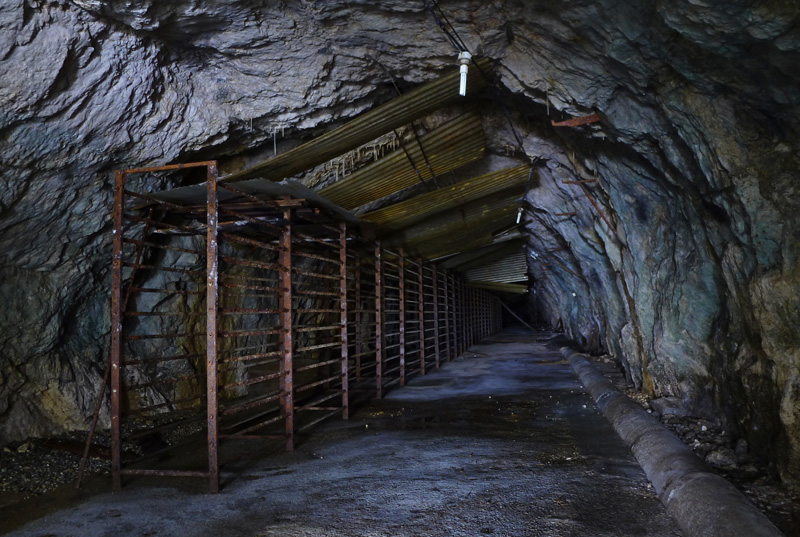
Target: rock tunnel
[{"x": 244, "y": 218}]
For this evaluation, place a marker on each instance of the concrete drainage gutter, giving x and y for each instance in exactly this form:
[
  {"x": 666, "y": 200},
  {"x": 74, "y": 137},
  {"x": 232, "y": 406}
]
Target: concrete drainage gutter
[{"x": 701, "y": 502}]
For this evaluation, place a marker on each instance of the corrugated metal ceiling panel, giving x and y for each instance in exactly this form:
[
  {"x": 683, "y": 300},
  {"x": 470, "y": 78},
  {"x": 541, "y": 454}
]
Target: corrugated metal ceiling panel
[
  {"x": 366, "y": 127},
  {"x": 518, "y": 289},
  {"x": 404, "y": 214},
  {"x": 510, "y": 269},
  {"x": 452, "y": 145},
  {"x": 267, "y": 190},
  {"x": 477, "y": 217},
  {"x": 481, "y": 256},
  {"x": 453, "y": 233},
  {"x": 488, "y": 255}
]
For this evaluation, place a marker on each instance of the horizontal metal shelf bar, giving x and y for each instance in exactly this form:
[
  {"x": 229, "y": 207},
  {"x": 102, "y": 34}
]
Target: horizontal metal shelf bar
[
  {"x": 318, "y": 400},
  {"x": 251, "y": 403},
  {"x": 318, "y": 364},
  {"x": 318, "y": 420},
  {"x": 317, "y": 347},
  {"x": 248, "y": 382},
  {"x": 305, "y": 387}
]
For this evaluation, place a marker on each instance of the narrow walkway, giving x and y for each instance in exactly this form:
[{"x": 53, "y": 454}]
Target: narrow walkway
[{"x": 502, "y": 442}]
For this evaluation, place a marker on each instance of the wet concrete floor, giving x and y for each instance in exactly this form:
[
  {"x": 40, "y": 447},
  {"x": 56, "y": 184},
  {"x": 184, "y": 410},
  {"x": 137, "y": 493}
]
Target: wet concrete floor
[{"x": 504, "y": 441}]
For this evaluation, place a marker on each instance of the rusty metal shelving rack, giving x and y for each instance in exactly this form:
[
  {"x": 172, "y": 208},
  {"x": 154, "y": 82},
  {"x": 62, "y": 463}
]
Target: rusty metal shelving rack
[
  {"x": 120, "y": 299},
  {"x": 362, "y": 328},
  {"x": 416, "y": 271},
  {"x": 415, "y": 353},
  {"x": 429, "y": 316},
  {"x": 393, "y": 329},
  {"x": 301, "y": 318}
]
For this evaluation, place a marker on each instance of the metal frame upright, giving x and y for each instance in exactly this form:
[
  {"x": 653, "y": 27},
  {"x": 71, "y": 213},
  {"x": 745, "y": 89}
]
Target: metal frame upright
[{"x": 119, "y": 302}]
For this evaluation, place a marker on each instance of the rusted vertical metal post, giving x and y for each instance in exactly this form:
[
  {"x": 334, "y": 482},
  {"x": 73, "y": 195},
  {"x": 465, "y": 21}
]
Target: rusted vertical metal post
[
  {"x": 493, "y": 309},
  {"x": 454, "y": 312},
  {"x": 446, "y": 292},
  {"x": 473, "y": 295},
  {"x": 343, "y": 319},
  {"x": 123, "y": 298},
  {"x": 460, "y": 309},
  {"x": 421, "y": 315},
  {"x": 493, "y": 319},
  {"x": 459, "y": 330},
  {"x": 487, "y": 320},
  {"x": 489, "y": 314},
  {"x": 287, "y": 341},
  {"x": 436, "y": 315},
  {"x": 116, "y": 329},
  {"x": 479, "y": 312},
  {"x": 212, "y": 298},
  {"x": 359, "y": 315},
  {"x": 494, "y": 315},
  {"x": 473, "y": 317},
  {"x": 477, "y": 315},
  {"x": 378, "y": 320},
  {"x": 478, "y": 308},
  {"x": 473, "y": 311},
  {"x": 484, "y": 315},
  {"x": 463, "y": 313},
  {"x": 401, "y": 284},
  {"x": 490, "y": 305},
  {"x": 465, "y": 317},
  {"x": 465, "y": 306},
  {"x": 481, "y": 316}
]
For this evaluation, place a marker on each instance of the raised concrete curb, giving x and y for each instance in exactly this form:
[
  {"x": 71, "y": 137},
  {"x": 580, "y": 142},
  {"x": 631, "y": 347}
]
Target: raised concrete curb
[{"x": 701, "y": 502}]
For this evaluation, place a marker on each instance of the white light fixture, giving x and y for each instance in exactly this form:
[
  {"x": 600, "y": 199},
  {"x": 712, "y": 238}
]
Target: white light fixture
[
  {"x": 463, "y": 59},
  {"x": 519, "y": 215}
]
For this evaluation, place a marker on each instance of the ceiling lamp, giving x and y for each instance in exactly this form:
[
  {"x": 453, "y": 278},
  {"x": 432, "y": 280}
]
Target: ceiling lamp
[{"x": 464, "y": 58}]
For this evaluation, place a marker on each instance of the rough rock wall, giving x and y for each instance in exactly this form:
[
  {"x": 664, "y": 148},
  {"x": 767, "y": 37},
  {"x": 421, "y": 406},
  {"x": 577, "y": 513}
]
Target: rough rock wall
[
  {"x": 692, "y": 277},
  {"x": 89, "y": 87},
  {"x": 692, "y": 282}
]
